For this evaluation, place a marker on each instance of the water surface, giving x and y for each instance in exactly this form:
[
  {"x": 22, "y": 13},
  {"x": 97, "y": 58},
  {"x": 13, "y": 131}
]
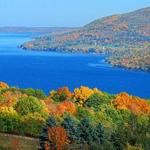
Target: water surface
[{"x": 47, "y": 70}]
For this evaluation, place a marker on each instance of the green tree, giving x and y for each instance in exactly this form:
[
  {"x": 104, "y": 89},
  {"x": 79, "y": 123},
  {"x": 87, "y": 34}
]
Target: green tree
[
  {"x": 100, "y": 134},
  {"x": 32, "y": 124},
  {"x": 34, "y": 92},
  {"x": 9, "y": 120},
  {"x": 27, "y": 105},
  {"x": 71, "y": 126},
  {"x": 112, "y": 113},
  {"x": 86, "y": 131},
  {"x": 96, "y": 100}
]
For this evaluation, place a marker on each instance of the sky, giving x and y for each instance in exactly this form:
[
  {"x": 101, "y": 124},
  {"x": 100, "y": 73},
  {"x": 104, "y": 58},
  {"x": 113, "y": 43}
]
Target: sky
[{"x": 62, "y": 13}]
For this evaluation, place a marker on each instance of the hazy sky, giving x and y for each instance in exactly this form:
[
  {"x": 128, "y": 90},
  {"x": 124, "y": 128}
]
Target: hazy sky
[{"x": 62, "y": 12}]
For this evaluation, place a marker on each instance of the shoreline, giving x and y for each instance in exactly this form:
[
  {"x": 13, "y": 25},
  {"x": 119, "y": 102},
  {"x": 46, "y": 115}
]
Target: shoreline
[{"x": 106, "y": 59}]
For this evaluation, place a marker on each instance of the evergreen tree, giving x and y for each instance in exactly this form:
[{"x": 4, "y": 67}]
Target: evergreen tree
[
  {"x": 70, "y": 125},
  {"x": 43, "y": 138}
]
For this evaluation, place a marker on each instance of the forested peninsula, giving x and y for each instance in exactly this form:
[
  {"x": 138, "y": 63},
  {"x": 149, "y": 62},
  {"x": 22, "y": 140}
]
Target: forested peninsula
[{"x": 125, "y": 36}]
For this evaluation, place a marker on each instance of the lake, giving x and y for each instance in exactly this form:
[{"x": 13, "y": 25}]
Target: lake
[{"x": 49, "y": 70}]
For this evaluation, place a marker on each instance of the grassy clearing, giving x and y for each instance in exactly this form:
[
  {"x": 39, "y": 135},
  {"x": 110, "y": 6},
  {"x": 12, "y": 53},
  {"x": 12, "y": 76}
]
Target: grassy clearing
[{"x": 13, "y": 142}]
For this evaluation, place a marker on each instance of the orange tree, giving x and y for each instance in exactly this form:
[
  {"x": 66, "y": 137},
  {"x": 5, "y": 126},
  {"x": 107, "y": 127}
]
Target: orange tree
[
  {"x": 3, "y": 85},
  {"x": 134, "y": 104},
  {"x": 59, "y": 109},
  {"x": 58, "y": 138},
  {"x": 9, "y": 98},
  {"x": 53, "y": 137}
]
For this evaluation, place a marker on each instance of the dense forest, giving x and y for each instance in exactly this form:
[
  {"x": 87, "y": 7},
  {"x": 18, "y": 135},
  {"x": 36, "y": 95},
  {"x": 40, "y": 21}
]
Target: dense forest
[
  {"x": 85, "y": 118},
  {"x": 126, "y": 36},
  {"x": 137, "y": 59}
]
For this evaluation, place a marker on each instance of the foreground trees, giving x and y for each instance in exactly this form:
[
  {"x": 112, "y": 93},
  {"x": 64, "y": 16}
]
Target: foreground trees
[{"x": 84, "y": 119}]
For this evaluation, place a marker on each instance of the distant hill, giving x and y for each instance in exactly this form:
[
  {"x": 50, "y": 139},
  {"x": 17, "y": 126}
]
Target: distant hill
[
  {"x": 117, "y": 33},
  {"x": 113, "y": 31},
  {"x": 35, "y": 29}
]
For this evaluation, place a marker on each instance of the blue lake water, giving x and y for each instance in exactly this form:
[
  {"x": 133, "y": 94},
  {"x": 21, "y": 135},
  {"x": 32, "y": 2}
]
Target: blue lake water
[{"x": 48, "y": 70}]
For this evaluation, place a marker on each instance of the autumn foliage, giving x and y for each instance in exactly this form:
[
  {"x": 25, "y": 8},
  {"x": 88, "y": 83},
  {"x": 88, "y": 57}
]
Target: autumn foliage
[
  {"x": 57, "y": 138},
  {"x": 3, "y": 85},
  {"x": 59, "y": 109},
  {"x": 9, "y": 98},
  {"x": 61, "y": 94},
  {"x": 86, "y": 116},
  {"x": 66, "y": 107},
  {"x": 135, "y": 104},
  {"x": 83, "y": 93},
  {"x": 64, "y": 90}
]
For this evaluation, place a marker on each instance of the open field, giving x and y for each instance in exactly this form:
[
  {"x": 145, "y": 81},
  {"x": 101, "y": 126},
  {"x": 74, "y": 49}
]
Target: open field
[{"x": 13, "y": 142}]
